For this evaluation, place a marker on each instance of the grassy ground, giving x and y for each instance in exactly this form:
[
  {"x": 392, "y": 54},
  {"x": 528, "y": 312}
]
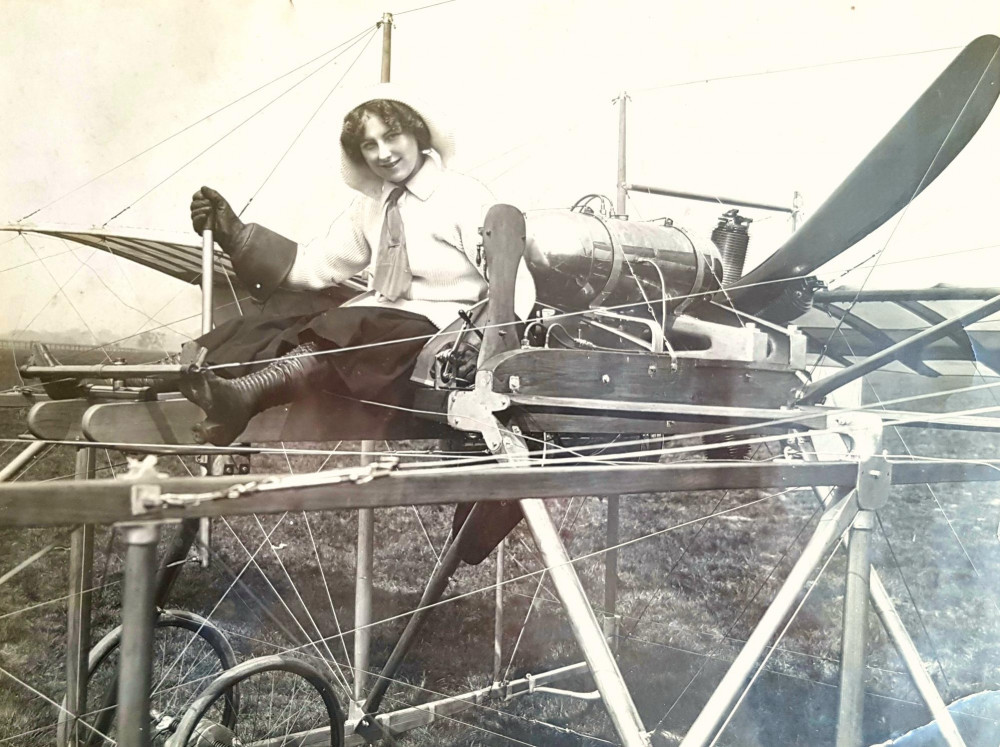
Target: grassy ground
[{"x": 688, "y": 597}]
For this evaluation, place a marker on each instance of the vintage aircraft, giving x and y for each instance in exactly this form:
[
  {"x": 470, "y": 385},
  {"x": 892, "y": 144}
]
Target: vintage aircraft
[{"x": 641, "y": 328}]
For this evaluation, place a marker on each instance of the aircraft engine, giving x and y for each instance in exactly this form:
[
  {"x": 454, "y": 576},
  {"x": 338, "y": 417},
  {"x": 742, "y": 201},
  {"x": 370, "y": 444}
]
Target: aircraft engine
[{"x": 582, "y": 260}]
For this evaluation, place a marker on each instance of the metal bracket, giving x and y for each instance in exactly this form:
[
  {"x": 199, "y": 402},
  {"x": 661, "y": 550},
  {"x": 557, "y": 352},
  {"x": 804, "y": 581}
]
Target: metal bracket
[
  {"x": 864, "y": 430},
  {"x": 473, "y": 410},
  {"x": 148, "y": 497}
]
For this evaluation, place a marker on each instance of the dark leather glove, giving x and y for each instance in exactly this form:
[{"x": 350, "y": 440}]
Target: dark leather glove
[{"x": 226, "y": 225}]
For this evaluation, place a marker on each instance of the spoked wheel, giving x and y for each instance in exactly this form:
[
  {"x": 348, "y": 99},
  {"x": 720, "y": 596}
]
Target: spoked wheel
[
  {"x": 189, "y": 652},
  {"x": 287, "y": 701}
]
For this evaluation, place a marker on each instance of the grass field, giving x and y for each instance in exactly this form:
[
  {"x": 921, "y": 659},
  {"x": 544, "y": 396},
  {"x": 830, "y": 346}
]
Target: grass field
[{"x": 688, "y": 597}]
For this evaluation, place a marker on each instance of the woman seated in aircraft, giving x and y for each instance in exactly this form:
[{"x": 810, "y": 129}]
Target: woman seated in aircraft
[{"x": 413, "y": 226}]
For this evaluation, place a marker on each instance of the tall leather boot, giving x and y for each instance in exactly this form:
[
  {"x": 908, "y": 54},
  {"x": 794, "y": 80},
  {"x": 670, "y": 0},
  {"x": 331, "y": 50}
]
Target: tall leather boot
[{"x": 229, "y": 404}]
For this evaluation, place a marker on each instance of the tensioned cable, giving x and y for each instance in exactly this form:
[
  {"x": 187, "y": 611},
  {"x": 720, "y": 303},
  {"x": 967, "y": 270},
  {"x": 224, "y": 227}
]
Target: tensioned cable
[
  {"x": 197, "y": 122},
  {"x": 305, "y": 607},
  {"x": 128, "y": 280},
  {"x": 306, "y": 125},
  {"x": 913, "y": 601},
  {"x": 742, "y": 611},
  {"x": 758, "y": 73},
  {"x": 32, "y": 261},
  {"x": 422, "y": 7},
  {"x": 228, "y": 133},
  {"x": 892, "y": 551},
  {"x": 771, "y": 649},
  {"x": 618, "y": 458},
  {"x": 459, "y": 460},
  {"x": 921, "y": 258},
  {"x": 673, "y": 566},
  {"x": 905, "y": 209},
  {"x": 60, "y": 291},
  {"x": 27, "y": 562},
  {"x": 51, "y": 702},
  {"x": 311, "y": 641},
  {"x": 534, "y": 598},
  {"x": 561, "y": 315},
  {"x": 224, "y": 594},
  {"x": 571, "y": 561}
]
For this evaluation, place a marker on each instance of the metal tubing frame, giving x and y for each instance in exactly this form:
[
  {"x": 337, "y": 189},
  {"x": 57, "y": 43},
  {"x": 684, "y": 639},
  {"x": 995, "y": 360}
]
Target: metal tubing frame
[
  {"x": 818, "y": 389},
  {"x": 708, "y": 198},
  {"x": 893, "y": 624},
  {"x": 22, "y": 460},
  {"x": 587, "y": 631},
  {"x": 81, "y": 582},
  {"x": 138, "y": 615}
]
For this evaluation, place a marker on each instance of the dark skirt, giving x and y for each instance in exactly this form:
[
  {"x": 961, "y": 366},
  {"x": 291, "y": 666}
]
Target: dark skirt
[{"x": 379, "y": 372}]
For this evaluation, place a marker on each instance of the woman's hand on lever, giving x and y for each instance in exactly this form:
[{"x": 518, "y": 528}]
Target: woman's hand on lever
[{"x": 226, "y": 225}]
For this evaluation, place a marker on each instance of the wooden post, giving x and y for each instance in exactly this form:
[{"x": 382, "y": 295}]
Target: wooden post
[
  {"x": 81, "y": 581},
  {"x": 386, "y": 46}
]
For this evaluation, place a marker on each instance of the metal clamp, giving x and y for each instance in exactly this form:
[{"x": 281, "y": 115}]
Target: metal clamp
[{"x": 148, "y": 497}]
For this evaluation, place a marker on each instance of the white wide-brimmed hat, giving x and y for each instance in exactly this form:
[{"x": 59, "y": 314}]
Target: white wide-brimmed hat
[{"x": 356, "y": 174}]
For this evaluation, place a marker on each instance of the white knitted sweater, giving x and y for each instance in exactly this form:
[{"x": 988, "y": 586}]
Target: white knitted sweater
[{"x": 441, "y": 211}]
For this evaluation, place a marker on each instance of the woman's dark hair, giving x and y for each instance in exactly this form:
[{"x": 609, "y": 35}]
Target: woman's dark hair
[{"x": 395, "y": 115}]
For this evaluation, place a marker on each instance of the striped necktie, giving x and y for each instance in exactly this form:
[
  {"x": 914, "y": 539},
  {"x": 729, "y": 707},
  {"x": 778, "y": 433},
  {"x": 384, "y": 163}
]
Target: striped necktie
[{"x": 392, "y": 265}]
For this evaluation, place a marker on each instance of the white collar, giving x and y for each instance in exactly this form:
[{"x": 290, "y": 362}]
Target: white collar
[{"x": 422, "y": 184}]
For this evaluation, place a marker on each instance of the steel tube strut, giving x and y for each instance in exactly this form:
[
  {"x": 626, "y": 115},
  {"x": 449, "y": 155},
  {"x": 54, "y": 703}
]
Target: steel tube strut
[
  {"x": 363, "y": 575},
  {"x": 819, "y": 389},
  {"x": 832, "y": 524},
  {"x": 893, "y": 625},
  {"x": 708, "y": 198},
  {"x": 138, "y": 613},
  {"x": 852, "y": 660},
  {"x": 586, "y": 629},
  {"x": 21, "y": 460}
]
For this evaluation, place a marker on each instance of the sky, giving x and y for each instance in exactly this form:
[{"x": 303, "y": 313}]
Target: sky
[{"x": 748, "y": 100}]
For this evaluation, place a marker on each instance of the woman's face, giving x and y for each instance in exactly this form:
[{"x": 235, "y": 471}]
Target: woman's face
[{"x": 391, "y": 154}]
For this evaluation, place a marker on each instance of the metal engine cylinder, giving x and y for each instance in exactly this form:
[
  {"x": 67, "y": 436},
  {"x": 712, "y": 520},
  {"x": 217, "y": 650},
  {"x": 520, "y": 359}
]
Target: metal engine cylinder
[
  {"x": 581, "y": 260},
  {"x": 732, "y": 238}
]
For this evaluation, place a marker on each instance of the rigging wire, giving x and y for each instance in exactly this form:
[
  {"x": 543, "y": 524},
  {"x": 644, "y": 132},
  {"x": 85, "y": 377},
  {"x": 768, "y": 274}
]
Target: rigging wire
[
  {"x": 892, "y": 551},
  {"x": 228, "y": 133},
  {"x": 422, "y": 7},
  {"x": 308, "y": 122},
  {"x": 197, "y": 122},
  {"x": 781, "y": 635},
  {"x": 796, "y": 68},
  {"x": 739, "y": 615}
]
